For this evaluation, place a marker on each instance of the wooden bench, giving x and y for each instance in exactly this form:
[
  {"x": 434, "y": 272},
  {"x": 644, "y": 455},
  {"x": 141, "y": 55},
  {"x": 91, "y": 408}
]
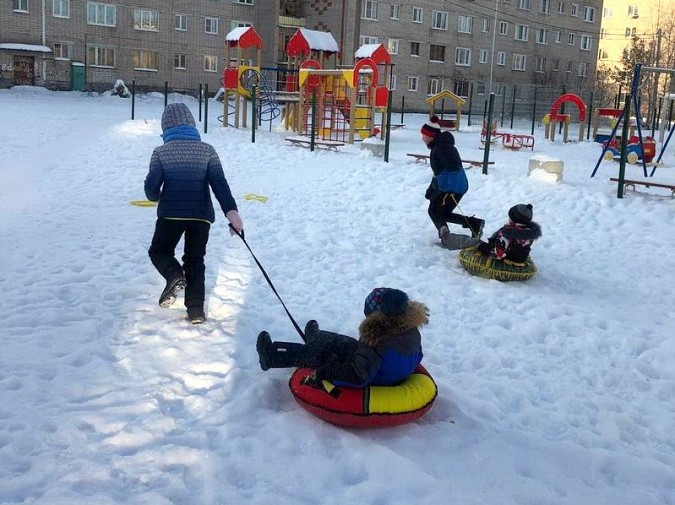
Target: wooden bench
[
  {"x": 425, "y": 157},
  {"x": 331, "y": 145},
  {"x": 646, "y": 184}
]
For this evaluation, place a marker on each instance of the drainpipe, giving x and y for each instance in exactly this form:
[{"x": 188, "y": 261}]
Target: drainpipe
[{"x": 44, "y": 42}]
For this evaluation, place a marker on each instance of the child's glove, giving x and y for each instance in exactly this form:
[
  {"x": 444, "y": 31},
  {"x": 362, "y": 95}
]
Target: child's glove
[{"x": 236, "y": 222}]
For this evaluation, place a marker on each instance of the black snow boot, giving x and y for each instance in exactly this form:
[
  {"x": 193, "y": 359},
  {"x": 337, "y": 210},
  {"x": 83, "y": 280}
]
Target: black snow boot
[{"x": 173, "y": 286}]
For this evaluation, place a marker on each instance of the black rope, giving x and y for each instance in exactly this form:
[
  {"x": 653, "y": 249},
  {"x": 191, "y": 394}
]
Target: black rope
[{"x": 269, "y": 281}]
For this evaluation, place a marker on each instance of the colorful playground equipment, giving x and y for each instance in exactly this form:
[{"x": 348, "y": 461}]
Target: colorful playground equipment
[
  {"x": 635, "y": 150},
  {"x": 601, "y": 135},
  {"x": 455, "y": 115},
  {"x": 555, "y": 118}
]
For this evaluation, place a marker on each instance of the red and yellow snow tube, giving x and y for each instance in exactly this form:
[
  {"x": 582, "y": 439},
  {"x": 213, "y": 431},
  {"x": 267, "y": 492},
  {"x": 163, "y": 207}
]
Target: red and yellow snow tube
[
  {"x": 490, "y": 268},
  {"x": 369, "y": 407}
]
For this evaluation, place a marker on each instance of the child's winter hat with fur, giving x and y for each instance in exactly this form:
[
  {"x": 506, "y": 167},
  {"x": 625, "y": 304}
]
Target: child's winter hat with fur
[
  {"x": 390, "y": 302},
  {"x": 431, "y": 128},
  {"x": 521, "y": 213}
]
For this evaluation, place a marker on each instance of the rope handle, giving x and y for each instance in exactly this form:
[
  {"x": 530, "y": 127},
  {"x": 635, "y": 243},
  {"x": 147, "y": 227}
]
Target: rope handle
[{"x": 269, "y": 281}]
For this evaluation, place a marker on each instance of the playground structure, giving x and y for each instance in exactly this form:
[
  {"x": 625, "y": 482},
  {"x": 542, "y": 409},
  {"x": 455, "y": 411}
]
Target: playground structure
[
  {"x": 555, "y": 118},
  {"x": 455, "y": 119},
  {"x": 512, "y": 141},
  {"x": 612, "y": 115},
  {"x": 623, "y": 152},
  {"x": 635, "y": 150}
]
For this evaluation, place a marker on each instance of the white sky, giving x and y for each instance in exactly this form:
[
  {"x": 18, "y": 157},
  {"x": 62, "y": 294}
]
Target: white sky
[{"x": 557, "y": 391}]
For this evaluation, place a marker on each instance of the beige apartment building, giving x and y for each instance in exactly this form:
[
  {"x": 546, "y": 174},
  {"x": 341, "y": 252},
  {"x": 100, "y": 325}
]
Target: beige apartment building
[{"x": 467, "y": 46}]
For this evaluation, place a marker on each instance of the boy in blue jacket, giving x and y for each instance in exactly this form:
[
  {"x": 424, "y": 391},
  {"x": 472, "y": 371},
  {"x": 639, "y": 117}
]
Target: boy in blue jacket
[
  {"x": 182, "y": 174},
  {"x": 388, "y": 350}
]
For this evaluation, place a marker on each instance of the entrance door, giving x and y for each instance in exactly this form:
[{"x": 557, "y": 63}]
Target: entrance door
[
  {"x": 77, "y": 77},
  {"x": 24, "y": 71}
]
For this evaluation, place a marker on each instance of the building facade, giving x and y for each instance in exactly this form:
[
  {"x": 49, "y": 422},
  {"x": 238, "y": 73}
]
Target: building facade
[{"x": 470, "y": 47}]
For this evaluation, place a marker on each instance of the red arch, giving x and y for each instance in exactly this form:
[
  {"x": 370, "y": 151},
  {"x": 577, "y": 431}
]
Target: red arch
[
  {"x": 311, "y": 64},
  {"x": 568, "y": 97},
  {"x": 365, "y": 62}
]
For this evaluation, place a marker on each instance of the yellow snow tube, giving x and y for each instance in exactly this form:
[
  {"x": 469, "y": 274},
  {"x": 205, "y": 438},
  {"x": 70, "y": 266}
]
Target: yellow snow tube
[{"x": 491, "y": 268}]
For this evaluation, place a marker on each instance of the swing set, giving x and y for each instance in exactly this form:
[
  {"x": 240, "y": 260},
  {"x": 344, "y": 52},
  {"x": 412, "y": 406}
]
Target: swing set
[{"x": 623, "y": 120}]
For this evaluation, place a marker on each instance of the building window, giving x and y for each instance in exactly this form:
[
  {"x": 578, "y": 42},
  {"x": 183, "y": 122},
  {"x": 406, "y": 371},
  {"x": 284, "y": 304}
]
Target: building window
[
  {"x": 239, "y": 24},
  {"x": 464, "y": 24},
  {"x": 487, "y": 25},
  {"x": 463, "y": 56},
  {"x": 395, "y": 12},
  {"x": 503, "y": 28},
  {"x": 480, "y": 88},
  {"x": 393, "y": 46},
  {"x": 439, "y": 20},
  {"x": 632, "y": 11},
  {"x": 522, "y": 33},
  {"x": 414, "y": 49},
  {"x": 211, "y": 26},
  {"x": 417, "y": 15},
  {"x": 369, "y": 10},
  {"x": 574, "y": 11},
  {"x": 436, "y": 53},
  {"x": 101, "y": 56},
  {"x": 61, "y": 8},
  {"x": 570, "y": 39},
  {"x": 180, "y": 22},
  {"x": 20, "y": 5},
  {"x": 245, "y": 2},
  {"x": 461, "y": 88},
  {"x": 211, "y": 63},
  {"x": 607, "y": 12},
  {"x": 519, "y": 62},
  {"x": 366, "y": 39},
  {"x": 602, "y": 54},
  {"x": 545, "y": 6},
  {"x": 589, "y": 14},
  {"x": 413, "y": 83},
  {"x": 631, "y": 33},
  {"x": 392, "y": 83},
  {"x": 101, "y": 14},
  {"x": 556, "y": 65},
  {"x": 146, "y": 20},
  {"x": 542, "y": 36},
  {"x": 144, "y": 60},
  {"x": 540, "y": 65},
  {"x": 586, "y": 43},
  {"x": 180, "y": 61},
  {"x": 558, "y": 37},
  {"x": 435, "y": 86},
  {"x": 62, "y": 51},
  {"x": 561, "y": 7},
  {"x": 524, "y": 5},
  {"x": 501, "y": 58},
  {"x": 483, "y": 56},
  {"x": 582, "y": 70}
]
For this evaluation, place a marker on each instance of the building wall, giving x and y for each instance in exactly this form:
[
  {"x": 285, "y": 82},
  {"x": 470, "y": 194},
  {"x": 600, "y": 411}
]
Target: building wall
[
  {"x": 75, "y": 33},
  {"x": 352, "y": 22}
]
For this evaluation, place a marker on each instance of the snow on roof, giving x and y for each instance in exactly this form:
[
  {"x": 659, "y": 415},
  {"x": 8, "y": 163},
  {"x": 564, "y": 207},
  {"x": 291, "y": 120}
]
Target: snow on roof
[
  {"x": 236, "y": 33},
  {"x": 320, "y": 41},
  {"x": 25, "y": 47},
  {"x": 366, "y": 50}
]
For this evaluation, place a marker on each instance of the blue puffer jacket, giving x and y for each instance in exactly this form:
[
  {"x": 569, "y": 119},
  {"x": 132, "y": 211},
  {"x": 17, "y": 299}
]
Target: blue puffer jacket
[
  {"x": 387, "y": 352},
  {"x": 183, "y": 169}
]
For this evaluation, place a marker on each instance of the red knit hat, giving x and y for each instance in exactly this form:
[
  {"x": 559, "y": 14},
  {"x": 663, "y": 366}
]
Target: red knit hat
[{"x": 431, "y": 128}]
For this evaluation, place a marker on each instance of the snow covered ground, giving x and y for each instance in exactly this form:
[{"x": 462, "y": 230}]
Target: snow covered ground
[{"x": 557, "y": 391}]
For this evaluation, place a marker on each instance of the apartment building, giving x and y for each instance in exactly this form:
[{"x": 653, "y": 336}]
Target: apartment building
[
  {"x": 64, "y": 44},
  {"x": 467, "y": 46},
  {"x": 624, "y": 20}
]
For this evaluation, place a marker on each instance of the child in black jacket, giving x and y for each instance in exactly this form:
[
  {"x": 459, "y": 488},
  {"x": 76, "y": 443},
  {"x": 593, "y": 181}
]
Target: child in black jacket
[
  {"x": 513, "y": 241},
  {"x": 387, "y": 352}
]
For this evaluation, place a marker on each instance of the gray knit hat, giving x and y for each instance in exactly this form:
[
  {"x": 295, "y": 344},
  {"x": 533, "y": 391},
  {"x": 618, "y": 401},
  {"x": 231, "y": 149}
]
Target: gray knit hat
[
  {"x": 177, "y": 114},
  {"x": 521, "y": 213}
]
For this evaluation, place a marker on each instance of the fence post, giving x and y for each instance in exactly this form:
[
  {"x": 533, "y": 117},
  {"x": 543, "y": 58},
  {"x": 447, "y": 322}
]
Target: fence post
[
  {"x": 199, "y": 99},
  {"x": 624, "y": 142},
  {"x": 513, "y": 103},
  {"x": 402, "y": 107},
  {"x": 206, "y": 108},
  {"x": 488, "y": 133},
  {"x": 166, "y": 93},
  {"x": 388, "y": 131},
  {"x": 468, "y": 121},
  {"x": 590, "y": 114},
  {"x": 534, "y": 110},
  {"x": 133, "y": 98},
  {"x": 254, "y": 113},
  {"x": 313, "y": 133}
]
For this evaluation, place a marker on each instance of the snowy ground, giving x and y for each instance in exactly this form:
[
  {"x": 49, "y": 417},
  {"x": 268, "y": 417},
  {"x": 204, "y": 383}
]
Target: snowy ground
[{"x": 555, "y": 391}]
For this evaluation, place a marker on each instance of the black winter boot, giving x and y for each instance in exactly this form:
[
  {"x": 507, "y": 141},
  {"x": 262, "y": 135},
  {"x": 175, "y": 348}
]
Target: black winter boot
[
  {"x": 279, "y": 354},
  {"x": 171, "y": 290}
]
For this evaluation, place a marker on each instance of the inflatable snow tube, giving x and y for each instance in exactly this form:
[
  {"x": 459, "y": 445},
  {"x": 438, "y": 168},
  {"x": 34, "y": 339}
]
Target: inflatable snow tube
[
  {"x": 490, "y": 268},
  {"x": 369, "y": 407}
]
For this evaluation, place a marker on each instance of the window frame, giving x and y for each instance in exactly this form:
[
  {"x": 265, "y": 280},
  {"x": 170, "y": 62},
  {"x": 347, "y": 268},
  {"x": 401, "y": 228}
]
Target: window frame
[
  {"x": 144, "y": 56},
  {"x": 462, "y": 56},
  {"x": 413, "y": 83},
  {"x": 214, "y": 60},
  {"x": 20, "y": 6},
  {"x": 370, "y": 9},
  {"x": 211, "y": 20},
  {"x": 462, "y": 21},
  {"x": 101, "y": 50},
  {"x": 436, "y": 48},
  {"x": 178, "y": 56},
  {"x": 418, "y": 45},
  {"x": 522, "y": 33},
  {"x": 519, "y": 59},
  {"x": 439, "y": 20},
  {"x": 139, "y": 15},
  {"x": 105, "y": 8},
  {"x": 420, "y": 11},
  {"x": 60, "y": 57},
  {"x": 61, "y": 4},
  {"x": 181, "y": 17}
]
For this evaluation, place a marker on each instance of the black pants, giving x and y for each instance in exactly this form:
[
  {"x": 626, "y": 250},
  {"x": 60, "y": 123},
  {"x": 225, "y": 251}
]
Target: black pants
[
  {"x": 318, "y": 346},
  {"x": 441, "y": 207},
  {"x": 163, "y": 249}
]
